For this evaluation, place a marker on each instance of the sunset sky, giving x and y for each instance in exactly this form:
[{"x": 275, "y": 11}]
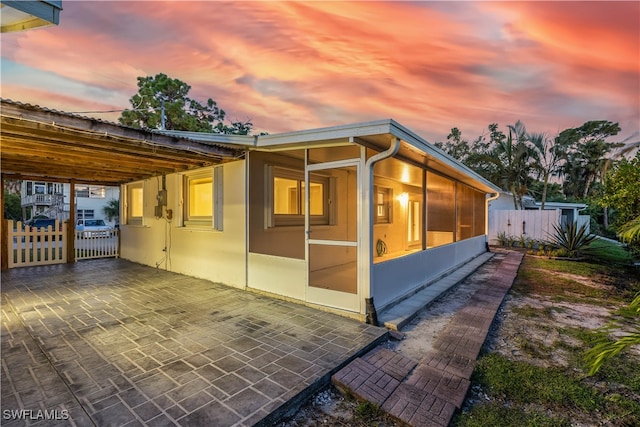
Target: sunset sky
[{"x": 290, "y": 66}]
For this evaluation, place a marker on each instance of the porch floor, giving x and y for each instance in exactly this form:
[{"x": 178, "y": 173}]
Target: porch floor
[{"x": 110, "y": 342}]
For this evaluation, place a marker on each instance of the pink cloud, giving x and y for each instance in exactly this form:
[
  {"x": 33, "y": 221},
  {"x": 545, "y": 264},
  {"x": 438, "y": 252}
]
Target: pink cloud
[{"x": 289, "y": 65}]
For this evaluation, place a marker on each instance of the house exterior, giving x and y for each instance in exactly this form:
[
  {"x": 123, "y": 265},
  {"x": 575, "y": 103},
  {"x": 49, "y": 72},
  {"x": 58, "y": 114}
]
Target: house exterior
[
  {"x": 328, "y": 217},
  {"x": 52, "y": 200}
]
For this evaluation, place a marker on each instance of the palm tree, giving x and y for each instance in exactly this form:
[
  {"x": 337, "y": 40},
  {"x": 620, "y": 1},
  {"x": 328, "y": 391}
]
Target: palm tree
[
  {"x": 630, "y": 230},
  {"x": 602, "y": 352},
  {"x": 546, "y": 160},
  {"x": 512, "y": 158},
  {"x": 112, "y": 209}
]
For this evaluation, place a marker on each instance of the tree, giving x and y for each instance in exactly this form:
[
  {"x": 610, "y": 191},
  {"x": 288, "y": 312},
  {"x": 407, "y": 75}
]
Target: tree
[
  {"x": 584, "y": 150},
  {"x": 163, "y": 103},
  {"x": 112, "y": 209},
  {"x": 546, "y": 160},
  {"x": 597, "y": 356},
  {"x": 12, "y": 208},
  {"x": 455, "y": 146},
  {"x": 622, "y": 193},
  {"x": 510, "y": 161}
]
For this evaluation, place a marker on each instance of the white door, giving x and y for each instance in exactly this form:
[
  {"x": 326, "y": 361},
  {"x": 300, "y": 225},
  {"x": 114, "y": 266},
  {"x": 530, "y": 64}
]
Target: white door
[{"x": 331, "y": 218}]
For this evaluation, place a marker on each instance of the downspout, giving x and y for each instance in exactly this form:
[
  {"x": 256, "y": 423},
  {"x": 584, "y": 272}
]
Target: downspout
[
  {"x": 366, "y": 251},
  {"x": 486, "y": 219}
]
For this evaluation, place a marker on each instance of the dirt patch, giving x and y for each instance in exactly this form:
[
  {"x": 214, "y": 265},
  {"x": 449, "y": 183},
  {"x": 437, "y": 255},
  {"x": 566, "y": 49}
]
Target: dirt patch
[{"x": 529, "y": 329}]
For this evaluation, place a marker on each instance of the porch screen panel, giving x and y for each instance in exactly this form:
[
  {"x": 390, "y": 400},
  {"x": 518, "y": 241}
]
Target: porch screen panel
[
  {"x": 441, "y": 210},
  {"x": 465, "y": 208},
  {"x": 334, "y": 268}
]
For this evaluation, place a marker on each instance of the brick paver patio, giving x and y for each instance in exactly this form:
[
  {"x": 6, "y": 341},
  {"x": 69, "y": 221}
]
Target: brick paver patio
[
  {"x": 428, "y": 392},
  {"x": 113, "y": 343}
]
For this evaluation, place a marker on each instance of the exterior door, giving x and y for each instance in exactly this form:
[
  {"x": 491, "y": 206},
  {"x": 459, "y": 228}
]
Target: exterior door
[{"x": 331, "y": 218}]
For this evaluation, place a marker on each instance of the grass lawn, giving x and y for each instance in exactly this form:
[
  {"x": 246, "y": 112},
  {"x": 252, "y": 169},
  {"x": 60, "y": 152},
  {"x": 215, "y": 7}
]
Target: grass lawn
[{"x": 538, "y": 376}]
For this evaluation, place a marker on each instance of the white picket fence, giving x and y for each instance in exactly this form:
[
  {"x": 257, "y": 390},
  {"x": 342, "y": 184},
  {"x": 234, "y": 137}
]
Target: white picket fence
[
  {"x": 532, "y": 224},
  {"x": 29, "y": 246},
  {"x": 102, "y": 244}
]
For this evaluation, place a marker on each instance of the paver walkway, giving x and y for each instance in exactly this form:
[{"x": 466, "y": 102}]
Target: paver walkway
[
  {"x": 428, "y": 392},
  {"x": 113, "y": 343}
]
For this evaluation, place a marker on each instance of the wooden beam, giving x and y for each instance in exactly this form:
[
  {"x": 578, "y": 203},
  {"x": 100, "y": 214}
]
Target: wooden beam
[
  {"x": 71, "y": 226},
  {"x": 115, "y": 162},
  {"x": 4, "y": 231}
]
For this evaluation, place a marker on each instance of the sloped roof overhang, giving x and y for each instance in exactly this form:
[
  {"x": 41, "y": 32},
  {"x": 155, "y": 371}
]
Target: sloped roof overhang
[
  {"x": 25, "y": 15},
  {"x": 38, "y": 143},
  {"x": 379, "y": 135}
]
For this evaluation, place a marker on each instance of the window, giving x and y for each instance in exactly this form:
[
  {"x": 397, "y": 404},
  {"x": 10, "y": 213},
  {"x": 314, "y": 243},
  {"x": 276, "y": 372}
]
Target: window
[
  {"x": 97, "y": 192},
  {"x": 383, "y": 205},
  {"x": 202, "y": 199},
  {"x": 85, "y": 213},
  {"x": 288, "y": 192},
  {"x": 82, "y": 191},
  {"x": 90, "y": 191},
  {"x": 135, "y": 203}
]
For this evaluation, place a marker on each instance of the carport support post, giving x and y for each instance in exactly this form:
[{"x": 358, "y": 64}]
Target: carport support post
[
  {"x": 71, "y": 226},
  {"x": 4, "y": 262}
]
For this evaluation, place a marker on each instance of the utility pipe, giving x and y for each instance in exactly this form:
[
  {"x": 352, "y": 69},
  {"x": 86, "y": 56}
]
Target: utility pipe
[
  {"x": 366, "y": 251},
  {"x": 486, "y": 219}
]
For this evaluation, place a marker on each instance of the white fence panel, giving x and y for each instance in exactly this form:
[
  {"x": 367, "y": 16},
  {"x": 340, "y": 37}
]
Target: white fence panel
[
  {"x": 533, "y": 224},
  {"x": 102, "y": 244},
  {"x": 31, "y": 246}
]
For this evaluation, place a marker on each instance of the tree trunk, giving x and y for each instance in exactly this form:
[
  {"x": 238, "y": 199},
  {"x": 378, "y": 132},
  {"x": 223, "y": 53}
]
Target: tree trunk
[
  {"x": 605, "y": 217},
  {"x": 587, "y": 185},
  {"x": 515, "y": 198},
  {"x": 544, "y": 190}
]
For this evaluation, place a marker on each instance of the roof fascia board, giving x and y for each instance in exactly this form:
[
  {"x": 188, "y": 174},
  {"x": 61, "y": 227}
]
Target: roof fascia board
[
  {"x": 561, "y": 205},
  {"x": 323, "y": 134},
  {"x": 215, "y": 138}
]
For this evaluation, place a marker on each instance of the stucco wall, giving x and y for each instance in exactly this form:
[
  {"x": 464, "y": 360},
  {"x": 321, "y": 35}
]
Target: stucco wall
[
  {"x": 219, "y": 256},
  {"x": 278, "y": 275}
]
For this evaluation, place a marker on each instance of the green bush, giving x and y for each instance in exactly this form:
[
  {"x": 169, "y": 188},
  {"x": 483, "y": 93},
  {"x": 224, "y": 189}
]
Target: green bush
[{"x": 569, "y": 239}]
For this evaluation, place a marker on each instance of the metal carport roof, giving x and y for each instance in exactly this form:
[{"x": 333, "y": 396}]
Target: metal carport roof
[{"x": 48, "y": 145}]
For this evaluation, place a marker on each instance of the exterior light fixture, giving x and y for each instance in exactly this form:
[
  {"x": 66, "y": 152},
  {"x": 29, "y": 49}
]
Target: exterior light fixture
[{"x": 26, "y": 15}]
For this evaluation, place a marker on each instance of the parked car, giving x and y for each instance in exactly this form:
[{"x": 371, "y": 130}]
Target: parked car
[
  {"x": 44, "y": 224},
  {"x": 93, "y": 228}
]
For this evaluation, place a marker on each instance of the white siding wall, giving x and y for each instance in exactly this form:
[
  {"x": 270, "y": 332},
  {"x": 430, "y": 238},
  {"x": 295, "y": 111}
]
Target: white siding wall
[
  {"x": 584, "y": 220},
  {"x": 219, "y": 256}
]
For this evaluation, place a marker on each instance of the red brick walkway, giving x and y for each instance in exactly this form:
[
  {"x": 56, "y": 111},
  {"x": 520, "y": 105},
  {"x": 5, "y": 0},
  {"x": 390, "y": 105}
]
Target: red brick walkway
[{"x": 427, "y": 393}]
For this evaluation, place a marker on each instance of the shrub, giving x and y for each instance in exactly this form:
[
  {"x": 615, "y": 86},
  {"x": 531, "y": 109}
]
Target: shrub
[
  {"x": 570, "y": 239},
  {"x": 502, "y": 238}
]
